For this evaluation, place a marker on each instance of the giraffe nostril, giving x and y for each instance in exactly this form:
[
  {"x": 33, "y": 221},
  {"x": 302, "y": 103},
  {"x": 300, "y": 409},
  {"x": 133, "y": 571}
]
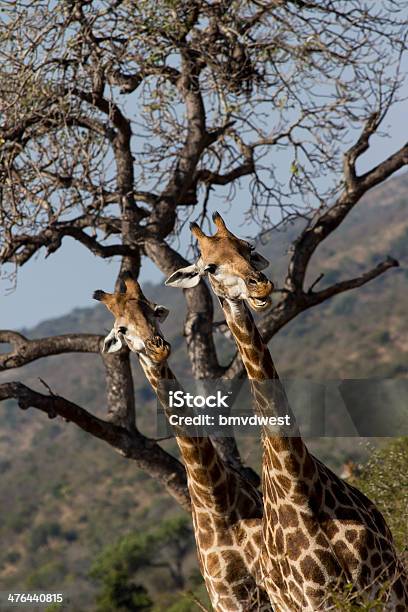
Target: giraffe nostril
[{"x": 122, "y": 330}]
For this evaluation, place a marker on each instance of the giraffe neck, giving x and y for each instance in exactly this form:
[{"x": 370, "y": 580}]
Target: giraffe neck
[
  {"x": 196, "y": 451},
  {"x": 285, "y": 455},
  {"x": 269, "y": 394},
  {"x": 226, "y": 512},
  {"x": 309, "y": 512}
]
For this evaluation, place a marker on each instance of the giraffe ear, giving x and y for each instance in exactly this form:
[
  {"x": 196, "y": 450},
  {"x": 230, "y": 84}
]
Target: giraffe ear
[
  {"x": 258, "y": 262},
  {"x": 184, "y": 278},
  {"x": 161, "y": 313},
  {"x": 112, "y": 343}
]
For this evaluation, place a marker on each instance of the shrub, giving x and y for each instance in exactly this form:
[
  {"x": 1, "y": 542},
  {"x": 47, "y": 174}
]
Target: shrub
[{"x": 384, "y": 479}]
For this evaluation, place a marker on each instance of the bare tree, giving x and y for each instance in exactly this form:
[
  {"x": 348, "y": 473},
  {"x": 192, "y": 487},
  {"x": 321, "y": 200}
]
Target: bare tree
[{"x": 122, "y": 120}]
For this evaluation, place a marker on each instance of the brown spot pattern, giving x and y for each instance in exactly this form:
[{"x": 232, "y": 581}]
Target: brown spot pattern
[
  {"x": 310, "y": 570},
  {"x": 296, "y": 544},
  {"x": 288, "y": 516}
]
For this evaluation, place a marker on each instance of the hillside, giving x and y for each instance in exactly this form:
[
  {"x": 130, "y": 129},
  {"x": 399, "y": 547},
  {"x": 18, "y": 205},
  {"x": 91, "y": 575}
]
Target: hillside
[{"x": 65, "y": 496}]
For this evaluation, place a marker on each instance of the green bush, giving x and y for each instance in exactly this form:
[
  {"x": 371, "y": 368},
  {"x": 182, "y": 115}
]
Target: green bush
[
  {"x": 118, "y": 565},
  {"x": 119, "y": 594},
  {"x": 384, "y": 479}
]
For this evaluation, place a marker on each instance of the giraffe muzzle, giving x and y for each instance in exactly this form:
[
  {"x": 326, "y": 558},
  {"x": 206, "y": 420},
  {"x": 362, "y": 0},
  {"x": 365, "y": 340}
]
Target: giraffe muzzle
[
  {"x": 259, "y": 292},
  {"x": 157, "y": 348}
]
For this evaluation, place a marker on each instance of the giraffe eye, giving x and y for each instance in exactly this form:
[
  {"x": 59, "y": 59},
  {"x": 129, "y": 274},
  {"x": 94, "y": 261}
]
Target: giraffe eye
[
  {"x": 211, "y": 268},
  {"x": 161, "y": 313},
  {"x": 122, "y": 330}
]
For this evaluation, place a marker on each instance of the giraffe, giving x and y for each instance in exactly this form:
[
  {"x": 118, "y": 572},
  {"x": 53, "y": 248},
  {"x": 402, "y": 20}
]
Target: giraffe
[
  {"x": 319, "y": 531},
  {"x": 226, "y": 509}
]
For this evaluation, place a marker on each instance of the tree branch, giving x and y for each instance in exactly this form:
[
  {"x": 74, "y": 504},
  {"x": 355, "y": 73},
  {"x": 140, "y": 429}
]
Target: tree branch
[
  {"x": 147, "y": 454},
  {"x": 121, "y": 142},
  {"x": 212, "y": 178},
  {"x": 361, "y": 146},
  {"x": 293, "y": 304},
  {"x": 314, "y": 298},
  {"x": 313, "y": 235},
  {"x": 25, "y": 351},
  {"x": 22, "y": 247},
  {"x": 385, "y": 169},
  {"x": 183, "y": 179}
]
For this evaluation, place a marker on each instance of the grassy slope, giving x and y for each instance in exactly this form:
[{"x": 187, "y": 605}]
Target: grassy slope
[{"x": 63, "y": 495}]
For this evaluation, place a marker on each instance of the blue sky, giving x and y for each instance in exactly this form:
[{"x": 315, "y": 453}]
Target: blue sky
[{"x": 48, "y": 288}]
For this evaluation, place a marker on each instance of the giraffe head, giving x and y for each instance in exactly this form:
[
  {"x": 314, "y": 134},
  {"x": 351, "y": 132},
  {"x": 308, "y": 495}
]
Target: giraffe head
[
  {"x": 232, "y": 266},
  {"x": 136, "y": 321}
]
